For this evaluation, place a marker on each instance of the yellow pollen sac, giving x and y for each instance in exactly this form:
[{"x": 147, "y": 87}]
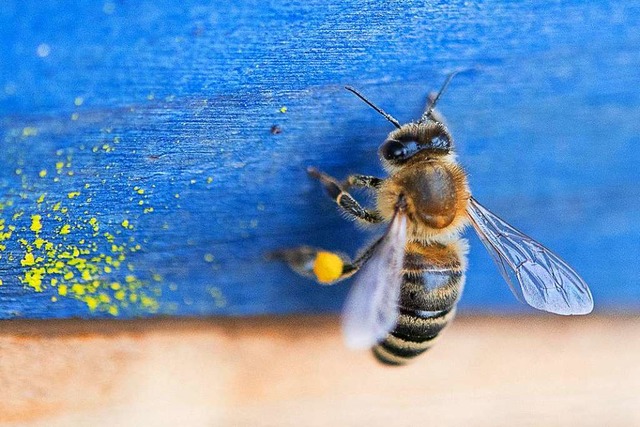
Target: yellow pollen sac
[{"x": 327, "y": 267}]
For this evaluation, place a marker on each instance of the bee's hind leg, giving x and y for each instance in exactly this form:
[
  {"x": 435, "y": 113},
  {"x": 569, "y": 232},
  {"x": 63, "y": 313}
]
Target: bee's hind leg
[
  {"x": 320, "y": 265},
  {"x": 345, "y": 200}
]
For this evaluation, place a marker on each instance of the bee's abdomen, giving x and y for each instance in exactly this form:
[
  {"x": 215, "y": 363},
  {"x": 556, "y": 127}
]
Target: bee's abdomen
[
  {"x": 414, "y": 334},
  {"x": 432, "y": 283}
]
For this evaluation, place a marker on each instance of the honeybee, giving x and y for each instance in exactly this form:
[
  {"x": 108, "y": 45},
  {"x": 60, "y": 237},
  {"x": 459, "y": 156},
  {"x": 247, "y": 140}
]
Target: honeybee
[{"x": 410, "y": 279}]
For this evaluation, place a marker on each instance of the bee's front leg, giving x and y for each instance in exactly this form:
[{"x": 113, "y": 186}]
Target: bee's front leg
[{"x": 345, "y": 200}]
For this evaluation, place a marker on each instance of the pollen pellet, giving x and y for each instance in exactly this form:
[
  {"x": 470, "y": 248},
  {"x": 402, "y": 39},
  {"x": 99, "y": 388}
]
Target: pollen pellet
[{"x": 327, "y": 267}]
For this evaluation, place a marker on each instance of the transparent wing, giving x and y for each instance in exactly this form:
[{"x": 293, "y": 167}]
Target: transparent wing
[
  {"x": 535, "y": 274},
  {"x": 371, "y": 309}
]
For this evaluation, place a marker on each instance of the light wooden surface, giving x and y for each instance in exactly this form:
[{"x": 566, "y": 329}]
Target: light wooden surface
[{"x": 294, "y": 371}]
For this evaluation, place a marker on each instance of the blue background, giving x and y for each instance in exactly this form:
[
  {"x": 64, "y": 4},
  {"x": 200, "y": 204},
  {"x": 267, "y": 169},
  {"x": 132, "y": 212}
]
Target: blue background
[{"x": 185, "y": 94}]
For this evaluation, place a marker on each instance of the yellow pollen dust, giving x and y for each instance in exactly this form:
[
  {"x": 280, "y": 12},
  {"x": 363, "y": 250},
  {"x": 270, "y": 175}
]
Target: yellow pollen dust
[
  {"x": 36, "y": 224},
  {"x": 29, "y": 131},
  {"x": 74, "y": 265},
  {"x": 28, "y": 260},
  {"x": 327, "y": 267}
]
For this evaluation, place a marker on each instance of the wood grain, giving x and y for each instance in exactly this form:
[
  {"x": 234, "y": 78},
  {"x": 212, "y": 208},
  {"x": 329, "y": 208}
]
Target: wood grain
[
  {"x": 485, "y": 371},
  {"x": 138, "y": 135}
]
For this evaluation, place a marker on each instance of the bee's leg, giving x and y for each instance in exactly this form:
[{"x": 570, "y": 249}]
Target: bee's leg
[
  {"x": 345, "y": 200},
  {"x": 363, "y": 181},
  {"x": 323, "y": 266}
]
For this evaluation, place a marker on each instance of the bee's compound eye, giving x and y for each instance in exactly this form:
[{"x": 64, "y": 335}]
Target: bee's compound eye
[
  {"x": 441, "y": 141},
  {"x": 392, "y": 150},
  {"x": 396, "y": 150}
]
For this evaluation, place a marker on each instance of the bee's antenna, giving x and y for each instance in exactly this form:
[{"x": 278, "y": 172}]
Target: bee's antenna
[
  {"x": 372, "y": 105},
  {"x": 432, "y": 104}
]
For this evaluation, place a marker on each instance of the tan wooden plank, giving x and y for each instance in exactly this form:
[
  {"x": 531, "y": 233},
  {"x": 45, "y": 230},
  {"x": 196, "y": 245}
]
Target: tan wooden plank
[{"x": 485, "y": 371}]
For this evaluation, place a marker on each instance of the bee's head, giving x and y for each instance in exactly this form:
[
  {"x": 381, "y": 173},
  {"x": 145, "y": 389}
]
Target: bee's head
[
  {"x": 415, "y": 140},
  {"x": 429, "y": 186}
]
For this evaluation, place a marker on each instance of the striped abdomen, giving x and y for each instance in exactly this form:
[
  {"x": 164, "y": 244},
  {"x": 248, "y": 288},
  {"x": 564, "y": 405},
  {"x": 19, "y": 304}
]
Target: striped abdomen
[{"x": 433, "y": 279}]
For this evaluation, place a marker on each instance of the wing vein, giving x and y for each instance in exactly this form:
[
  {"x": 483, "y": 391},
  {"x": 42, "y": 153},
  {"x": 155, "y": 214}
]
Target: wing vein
[{"x": 543, "y": 280}]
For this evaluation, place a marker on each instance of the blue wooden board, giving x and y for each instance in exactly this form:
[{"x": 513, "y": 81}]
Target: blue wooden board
[{"x": 139, "y": 174}]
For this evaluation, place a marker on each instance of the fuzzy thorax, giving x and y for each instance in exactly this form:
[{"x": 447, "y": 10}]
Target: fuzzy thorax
[{"x": 436, "y": 193}]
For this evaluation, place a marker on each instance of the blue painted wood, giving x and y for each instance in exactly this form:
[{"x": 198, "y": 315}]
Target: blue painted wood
[{"x": 150, "y": 121}]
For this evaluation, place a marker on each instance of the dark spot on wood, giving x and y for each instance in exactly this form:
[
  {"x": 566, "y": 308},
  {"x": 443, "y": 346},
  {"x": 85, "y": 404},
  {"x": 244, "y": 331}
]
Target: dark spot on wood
[{"x": 276, "y": 130}]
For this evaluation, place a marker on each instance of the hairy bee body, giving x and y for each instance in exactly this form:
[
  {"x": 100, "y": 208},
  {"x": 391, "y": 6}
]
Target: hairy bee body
[
  {"x": 409, "y": 281},
  {"x": 432, "y": 281},
  {"x": 435, "y": 190}
]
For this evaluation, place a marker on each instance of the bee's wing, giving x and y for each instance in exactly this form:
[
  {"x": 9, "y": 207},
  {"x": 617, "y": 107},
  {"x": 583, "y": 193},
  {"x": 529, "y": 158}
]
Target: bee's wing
[
  {"x": 535, "y": 274},
  {"x": 371, "y": 310}
]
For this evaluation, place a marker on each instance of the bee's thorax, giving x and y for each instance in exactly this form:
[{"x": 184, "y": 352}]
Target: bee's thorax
[{"x": 436, "y": 194}]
